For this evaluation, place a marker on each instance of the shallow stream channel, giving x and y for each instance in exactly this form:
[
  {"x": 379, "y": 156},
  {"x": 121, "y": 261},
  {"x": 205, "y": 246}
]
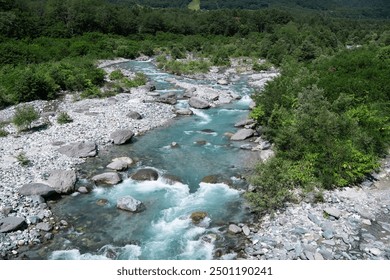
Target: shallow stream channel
[{"x": 97, "y": 229}]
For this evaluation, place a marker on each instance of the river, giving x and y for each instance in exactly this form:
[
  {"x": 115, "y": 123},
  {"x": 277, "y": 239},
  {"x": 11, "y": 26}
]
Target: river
[{"x": 164, "y": 230}]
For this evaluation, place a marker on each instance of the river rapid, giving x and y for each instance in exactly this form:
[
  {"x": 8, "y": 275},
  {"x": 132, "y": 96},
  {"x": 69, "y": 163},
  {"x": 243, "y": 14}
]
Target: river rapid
[{"x": 164, "y": 230}]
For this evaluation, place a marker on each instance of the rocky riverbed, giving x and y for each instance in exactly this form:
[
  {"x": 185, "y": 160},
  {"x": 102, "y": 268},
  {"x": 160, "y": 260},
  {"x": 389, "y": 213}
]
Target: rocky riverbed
[
  {"x": 53, "y": 151},
  {"x": 352, "y": 223}
]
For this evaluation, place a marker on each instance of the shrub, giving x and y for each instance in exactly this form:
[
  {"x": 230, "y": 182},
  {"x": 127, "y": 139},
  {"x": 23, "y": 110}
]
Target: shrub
[
  {"x": 3, "y": 133},
  {"x": 22, "y": 159},
  {"x": 140, "y": 79},
  {"x": 24, "y": 116},
  {"x": 63, "y": 118},
  {"x": 116, "y": 75}
]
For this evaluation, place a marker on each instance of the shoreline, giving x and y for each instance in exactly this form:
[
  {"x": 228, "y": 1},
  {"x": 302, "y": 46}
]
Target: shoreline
[{"x": 93, "y": 121}]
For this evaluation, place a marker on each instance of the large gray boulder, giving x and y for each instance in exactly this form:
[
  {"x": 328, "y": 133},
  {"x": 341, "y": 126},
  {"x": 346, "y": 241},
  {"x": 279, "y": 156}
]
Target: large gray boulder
[
  {"x": 10, "y": 224},
  {"x": 134, "y": 115},
  {"x": 121, "y": 136},
  {"x": 242, "y": 134},
  {"x": 171, "y": 100},
  {"x": 120, "y": 164},
  {"x": 108, "y": 178},
  {"x": 184, "y": 112},
  {"x": 37, "y": 189},
  {"x": 129, "y": 203},
  {"x": 146, "y": 174},
  {"x": 63, "y": 181},
  {"x": 79, "y": 150},
  {"x": 198, "y": 103}
]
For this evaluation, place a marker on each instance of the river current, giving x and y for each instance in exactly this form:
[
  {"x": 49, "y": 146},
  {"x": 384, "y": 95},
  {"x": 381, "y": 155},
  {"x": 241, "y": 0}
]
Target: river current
[{"x": 164, "y": 230}]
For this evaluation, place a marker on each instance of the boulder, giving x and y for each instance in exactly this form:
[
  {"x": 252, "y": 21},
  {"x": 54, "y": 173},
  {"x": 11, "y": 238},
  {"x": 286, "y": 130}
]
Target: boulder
[
  {"x": 171, "y": 100},
  {"x": 333, "y": 212},
  {"x": 120, "y": 164},
  {"x": 146, "y": 174},
  {"x": 131, "y": 204},
  {"x": 223, "y": 82},
  {"x": 198, "y": 103},
  {"x": 121, "y": 136},
  {"x": 189, "y": 92},
  {"x": 108, "y": 178},
  {"x": 63, "y": 181},
  {"x": 184, "y": 112},
  {"x": 44, "y": 226},
  {"x": 234, "y": 229},
  {"x": 246, "y": 147},
  {"x": 244, "y": 123},
  {"x": 79, "y": 150},
  {"x": 134, "y": 115},
  {"x": 10, "y": 224},
  {"x": 38, "y": 189},
  {"x": 252, "y": 105},
  {"x": 198, "y": 216},
  {"x": 172, "y": 179},
  {"x": 217, "y": 179},
  {"x": 200, "y": 142},
  {"x": 242, "y": 134},
  {"x": 175, "y": 145}
]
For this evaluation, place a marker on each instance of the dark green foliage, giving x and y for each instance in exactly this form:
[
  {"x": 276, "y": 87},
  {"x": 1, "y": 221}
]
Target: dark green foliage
[
  {"x": 3, "y": 132},
  {"x": 63, "y": 118},
  {"x": 22, "y": 159},
  {"x": 116, "y": 75},
  {"x": 24, "y": 116},
  {"x": 140, "y": 79},
  {"x": 330, "y": 119}
]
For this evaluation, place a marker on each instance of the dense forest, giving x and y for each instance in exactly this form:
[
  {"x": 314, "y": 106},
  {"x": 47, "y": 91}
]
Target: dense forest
[
  {"x": 328, "y": 113},
  {"x": 335, "y": 8}
]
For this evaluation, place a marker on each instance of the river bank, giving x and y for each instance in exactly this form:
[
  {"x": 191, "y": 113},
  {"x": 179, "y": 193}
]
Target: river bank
[{"x": 27, "y": 220}]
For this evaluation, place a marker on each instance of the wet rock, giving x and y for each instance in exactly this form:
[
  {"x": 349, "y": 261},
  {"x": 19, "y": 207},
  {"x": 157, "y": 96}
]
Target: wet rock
[
  {"x": 201, "y": 142},
  {"x": 79, "y": 150},
  {"x": 198, "y": 103},
  {"x": 171, "y": 100},
  {"x": 244, "y": 123},
  {"x": 242, "y": 134},
  {"x": 101, "y": 202},
  {"x": 63, "y": 181},
  {"x": 234, "y": 229},
  {"x": 146, "y": 174},
  {"x": 34, "y": 219},
  {"x": 44, "y": 226},
  {"x": 108, "y": 178},
  {"x": 134, "y": 115},
  {"x": 184, "y": 112},
  {"x": 216, "y": 179},
  {"x": 120, "y": 164},
  {"x": 172, "y": 179},
  {"x": 246, "y": 147},
  {"x": 10, "y": 224},
  {"x": 129, "y": 203},
  {"x": 42, "y": 190},
  {"x": 175, "y": 145},
  {"x": 198, "y": 216},
  {"x": 223, "y": 82},
  {"x": 121, "y": 136},
  {"x": 333, "y": 212},
  {"x": 83, "y": 190}
]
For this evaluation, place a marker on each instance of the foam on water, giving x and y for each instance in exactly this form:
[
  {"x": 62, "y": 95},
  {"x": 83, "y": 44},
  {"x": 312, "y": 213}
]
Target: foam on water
[
  {"x": 205, "y": 118},
  {"x": 245, "y": 100}
]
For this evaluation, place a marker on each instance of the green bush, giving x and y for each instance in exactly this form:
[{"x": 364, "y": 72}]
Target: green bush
[
  {"x": 140, "y": 79},
  {"x": 22, "y": 159},
  {"x": 24, "y": 116},
  {"x": 116, "y": 75},
  {"x": 63, "y": 118},
  {"x": 3, "y": 132}
]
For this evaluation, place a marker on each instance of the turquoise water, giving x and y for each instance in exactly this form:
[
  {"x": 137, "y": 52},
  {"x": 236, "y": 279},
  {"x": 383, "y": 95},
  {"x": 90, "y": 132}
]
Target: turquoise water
[{"x": 164, "y": 230}]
